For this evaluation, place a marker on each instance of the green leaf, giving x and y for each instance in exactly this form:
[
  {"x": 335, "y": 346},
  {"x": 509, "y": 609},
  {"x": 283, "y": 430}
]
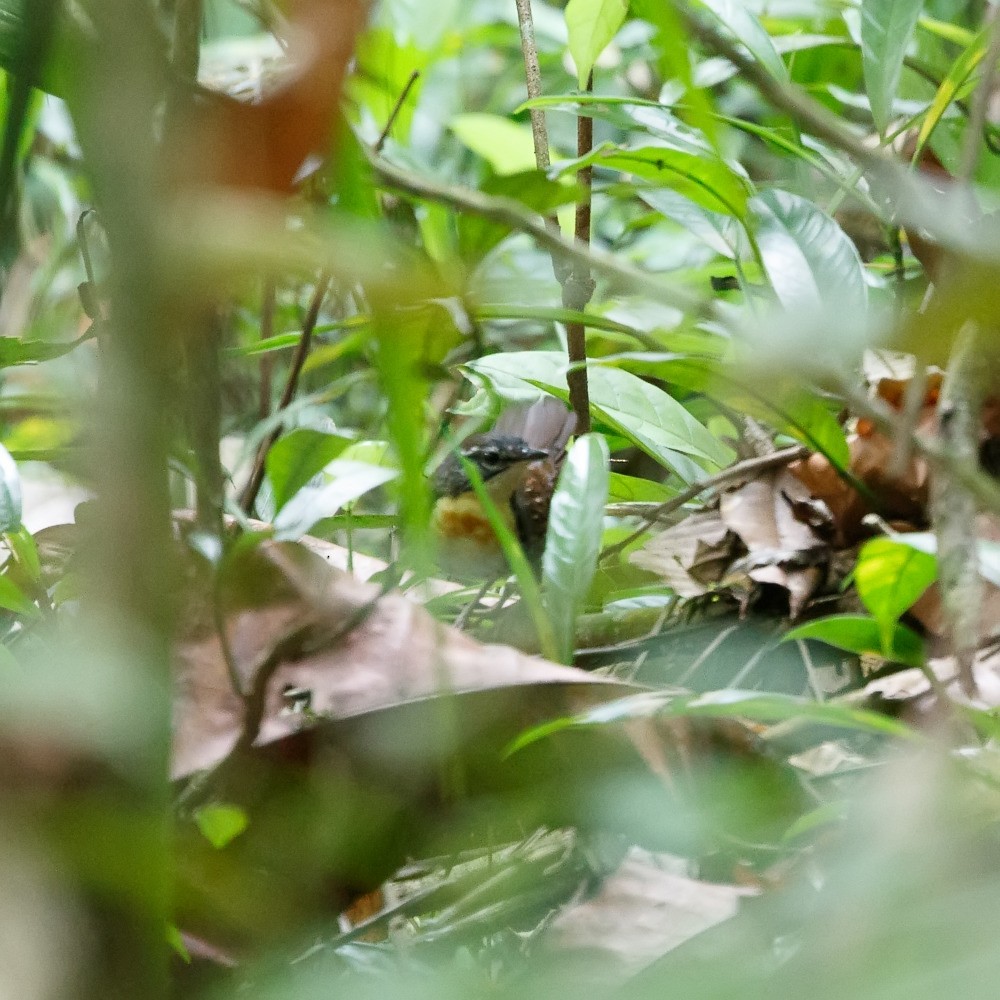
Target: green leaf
[
  {"x": 811, "y": 421},
  {"x": 14, "y": 599},
  {"x": 861, "y": 634},
  {"x": 349, "y": 480},
  {"x": 704, "y": 178},
  {"x": 14, "y": 351},
  {"x": 298, "y": 456},
  {"x": 573, "y": 539},
  {"x": 221, "y": 823},
  {"x": 647, "y": 416},
  {"x": 890, "y": 576},
  {"x": 22, "y": 545},
  {"x": 886, "y": 29},
  {"x": 739, "y": 22},
  {"x": 10, "y": 492},
  {"x": 951, "y": 85},
  {"x": 809, "y": 260},
  {"x": 727, "y": 703},
  {"x": 591, "y": 25},
  {"x": 715, "y": 229},
  {"x": 505, "y": 145},
  {"x": 632, "y": 489}
]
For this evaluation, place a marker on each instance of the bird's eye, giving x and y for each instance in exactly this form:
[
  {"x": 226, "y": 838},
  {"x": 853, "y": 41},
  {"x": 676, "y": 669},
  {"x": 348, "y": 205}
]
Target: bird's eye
[{"x": 490, "y": 456}]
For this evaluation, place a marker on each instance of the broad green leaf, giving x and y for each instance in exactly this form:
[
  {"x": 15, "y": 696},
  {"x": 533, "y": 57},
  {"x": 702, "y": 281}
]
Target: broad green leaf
[
  {"x": 717, "y": 230},
  {"x": 886, "y": 29},
  {"x": 756, "y": 706},
  {"x": 14, "y": 351},
  {"x": 632, "y": 489},
  {"x": 890, "y": 576},
  {"x": 591, "y": 25},
  {"x": 25, "y": 551},
  {"x": 861, "y": 634},
  {"x": 298, "y": 456},
  {"x": 705, "y": 179},
  {"x": 505, "y": 145},
  {"x": 809, "y": 260},
  {"x": 811, "y": 421},
  {"x": 738, "y": 21},
  {"x": 349, "y": 480},
  {"x": 573, "y": 539},
  {"x": 642, "y": 413},
  {"x": 221, "y": 823},
  {"x": 10, "y": 492},
  {"x": 14, "y": 599}
]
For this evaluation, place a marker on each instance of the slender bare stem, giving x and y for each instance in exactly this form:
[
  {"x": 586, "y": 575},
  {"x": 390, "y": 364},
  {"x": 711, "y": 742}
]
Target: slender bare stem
[{"x": 249, "y": 497}]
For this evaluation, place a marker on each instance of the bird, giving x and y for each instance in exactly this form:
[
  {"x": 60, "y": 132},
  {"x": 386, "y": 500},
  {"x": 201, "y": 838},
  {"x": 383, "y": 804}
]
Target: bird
[{"x": 519, "y": 462}]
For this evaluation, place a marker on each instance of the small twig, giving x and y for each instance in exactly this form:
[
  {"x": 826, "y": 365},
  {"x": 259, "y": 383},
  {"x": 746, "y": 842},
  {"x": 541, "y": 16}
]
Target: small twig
[
  {"x": 747, "y": 468},
  {"x": 249, "y": 497},
  {"x": 396, "y": 108}
]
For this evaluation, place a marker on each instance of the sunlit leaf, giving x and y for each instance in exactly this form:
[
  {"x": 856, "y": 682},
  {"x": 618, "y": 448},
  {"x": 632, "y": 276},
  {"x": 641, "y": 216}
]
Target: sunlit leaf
[
  {"x": 890, "y": 576},
  {"x": 14, "y": 599},
  {"x": 505, "y": 145},
  {"x": 886, "y": 29},
  {"x": 861, "y": 634},
  {"x": 591, "y": 25},
  {"x": 573, "y": 539}
]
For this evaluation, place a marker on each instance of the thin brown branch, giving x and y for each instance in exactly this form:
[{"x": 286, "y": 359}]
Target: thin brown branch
[
  {"x": 249, "y": 497},
  {"x": 266, "y": 359},
  {"x": 746, "y": 469},
  {"x": 533, "y": 79},
  {"x": 511, "y": 213},
  {"x": 396, "y": 108},
  {"x": 578, "y": 286}
]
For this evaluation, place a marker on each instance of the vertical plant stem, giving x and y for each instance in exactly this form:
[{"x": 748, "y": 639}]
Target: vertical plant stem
[
  {"x": 127, "y": 542},
  {"x": 252, "y": 488},
  {"x": 574, "y": 278},
  {"x": 578, "y": 287}
]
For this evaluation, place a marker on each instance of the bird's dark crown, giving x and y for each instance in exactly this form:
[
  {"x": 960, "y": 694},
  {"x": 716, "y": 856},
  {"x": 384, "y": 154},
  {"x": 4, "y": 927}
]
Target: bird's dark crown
[{"x": 491, "y": 455}]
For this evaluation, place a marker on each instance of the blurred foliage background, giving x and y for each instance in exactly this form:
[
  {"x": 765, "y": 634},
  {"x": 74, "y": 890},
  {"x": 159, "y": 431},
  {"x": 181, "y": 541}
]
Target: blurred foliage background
[{"x": 264, "y": 265}]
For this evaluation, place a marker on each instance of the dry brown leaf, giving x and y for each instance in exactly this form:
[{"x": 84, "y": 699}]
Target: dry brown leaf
[
  {"x": 782, "y": 548},
  {"x": 644, "y": 910},
  {"x": 691, "y": 556},
  {"x": 391, "y": 652}
]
